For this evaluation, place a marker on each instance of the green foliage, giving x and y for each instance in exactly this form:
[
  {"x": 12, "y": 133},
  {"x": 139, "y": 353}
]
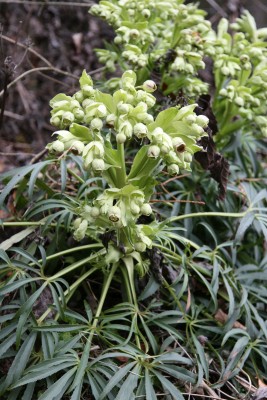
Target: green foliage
[{"x": 166, "y": 292}]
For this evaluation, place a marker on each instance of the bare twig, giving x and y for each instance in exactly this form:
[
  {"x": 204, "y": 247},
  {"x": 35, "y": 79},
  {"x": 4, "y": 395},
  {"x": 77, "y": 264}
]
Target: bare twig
[
  {"x": 29, "y": 49},
  {"x": 218, "y": 8},
  {"x": 10, "y": 114},
  {"x": 260, "y": 5},
  {"x": 36, "y": 70},
  {"x": 38, "y": 156},
  {"x": 18, "y": 153}
]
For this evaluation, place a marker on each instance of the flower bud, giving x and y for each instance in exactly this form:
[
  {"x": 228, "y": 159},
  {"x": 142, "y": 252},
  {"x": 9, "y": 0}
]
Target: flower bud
[
  {"x": 123, "y": 108},
  {"x": 239, "y": 101},
  {"x": 101, "y": 111},
  {"x": 165, "y": 148},
  {"x": 96, "y": 124},
  {"x": 197, "y": 129},
  {"x": 79, "y": 234},
  {"x": 179, "y": 144},
  {"x": 140, "y": 246},
  {"x": 57, "y": 146},
  {"x": 111, "y": 120},
  {"x": 202, "y": 121},
  {"x": 117, "y": 40},
  {"x": 188, "y": 157},
  {"x": 121, "y": 138},
  {"x": 77, "y": 223},
  {"x": 98, "y": 165},
  {"x": 135, "y": 210},
  {"x": 87, "y": 102},
  {"x": 223, "y": 92},
  {"x": 140, "y": 130},
  {"x": 88, "y": 91},
  {"x": 114, "y": 214},
  {"x": 191, "y": 119},
  {"x": 79, "y": 96},
  {"x": 95, "y": 212},
  {"x": 146, "y": 13},
  {"x": 74, "y": 104},
  {"x": 225, "y": 70},
  {"x": 77, "y": 146},
  {"x": 153, "y": 151},
  {"x": 134, "y": 33},
  {"x": 148, "y": 118},
  {"x": 126, "y": 128},
  {"x": 67, "y": 118},
  {"x": 146, "y": 209},
  {"x": 55, "y": 121},
  {"x": 149, "y": 86},
  {"x": 78, "y": 114},
  {"x": 157, "y": 131},
  {"x": 173, "y": 169}
]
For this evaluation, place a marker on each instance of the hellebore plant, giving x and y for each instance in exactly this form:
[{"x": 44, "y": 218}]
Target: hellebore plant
[{"x": 154, "y": 311}]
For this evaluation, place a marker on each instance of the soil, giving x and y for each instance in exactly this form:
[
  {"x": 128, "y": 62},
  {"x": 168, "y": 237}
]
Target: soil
[{"x": 60, "y": 38}]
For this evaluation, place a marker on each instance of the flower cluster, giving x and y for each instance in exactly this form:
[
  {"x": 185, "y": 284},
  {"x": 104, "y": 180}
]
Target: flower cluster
[
  {"x": 175, "y": 38},
  {"x": 146, "y": 30},
  {"x": 241, "y": 74},
  {"x": 106, "y": 123}
]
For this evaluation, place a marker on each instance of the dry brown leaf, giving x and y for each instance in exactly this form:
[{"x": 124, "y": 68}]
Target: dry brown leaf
[
  {"x": 77, "y": 40},
  {"x": 222, "y": 317}
]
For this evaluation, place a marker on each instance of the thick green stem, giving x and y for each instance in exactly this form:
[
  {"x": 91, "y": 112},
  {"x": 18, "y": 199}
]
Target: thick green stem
[
  {"x": 207, "y": 214},
  {"x": 72, "y": 250},
  {"x": 127, "y": 286},
  {"x": 25, "y": 223},
  {"x": 76, "y": 265},
  {"x": 121, "y": 172},
  {"x": 71, "y": 172},
  {"x": 129, "y": 280},
  {"x": 102, "y": 299}
]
